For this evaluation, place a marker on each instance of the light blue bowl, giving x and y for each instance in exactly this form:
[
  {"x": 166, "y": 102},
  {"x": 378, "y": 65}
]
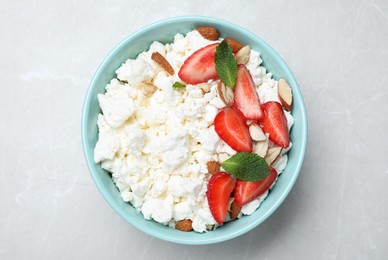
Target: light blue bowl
[{"x": 164, "y": 32}]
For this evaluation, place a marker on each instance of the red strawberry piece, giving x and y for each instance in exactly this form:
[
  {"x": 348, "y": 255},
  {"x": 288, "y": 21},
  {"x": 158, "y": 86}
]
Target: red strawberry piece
[
  {"x": 245, "y": 96},
  {"x": 247, "y": 191},
  {"x": 219, "y": 188},
  {"x": 200, "y": 66},
  {"x": 274, "y": 123},
  {"x": 231, "y": 128}
]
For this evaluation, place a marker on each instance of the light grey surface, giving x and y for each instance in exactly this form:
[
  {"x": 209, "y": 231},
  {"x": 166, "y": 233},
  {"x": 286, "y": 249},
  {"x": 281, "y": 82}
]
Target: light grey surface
[{"x": 49, "y": 206}]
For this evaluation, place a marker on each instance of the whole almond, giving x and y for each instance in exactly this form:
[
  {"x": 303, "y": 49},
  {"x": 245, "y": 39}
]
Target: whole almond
[
  {"x": 209, "y": 33},
  {"x": 235, "y": 45},
  {"x": 225, "y": 93},
  {"x": 285, "y": 94},
  {"x": 213, "y": 167},
  {"x": 159, "y": 59},
  {"x": 185, "y": 225},
  {"x": 272, "y": 154},
  {"x": 234, "y": 210},
  {"x": 242, "y": 56}
]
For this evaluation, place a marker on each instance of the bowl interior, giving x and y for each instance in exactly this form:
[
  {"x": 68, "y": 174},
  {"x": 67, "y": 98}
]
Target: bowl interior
[{"x": 164, "y": 32}]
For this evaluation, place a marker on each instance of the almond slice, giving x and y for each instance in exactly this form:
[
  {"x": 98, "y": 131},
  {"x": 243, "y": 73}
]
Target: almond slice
[
  {"x": 235, "y": 45},
  {"x": 234, "y": 210},
  {"x": 159, "y": 59},
  {"x": 225, "y": 93},
  {"x": 285, "y": 94},
  {"x": 213, "y": 167},
  {"x": 256, "y": 132},
  {"x": 272, "y": 154},
  {"x": 184, "y": 225},
  {"x": 261, "y": 148},
  {"x": 209, "y": 227},
  {"x": 209, "y": 33},
  {"x": 148, "y": 88},
  {"x": 223, "y": 157},
  {"x": 242, "y": 56},
  {"x": 204, "y": 87}
]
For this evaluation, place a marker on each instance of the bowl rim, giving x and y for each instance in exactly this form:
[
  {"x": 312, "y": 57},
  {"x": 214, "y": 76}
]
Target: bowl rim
[{"x": 90, "y": 161}]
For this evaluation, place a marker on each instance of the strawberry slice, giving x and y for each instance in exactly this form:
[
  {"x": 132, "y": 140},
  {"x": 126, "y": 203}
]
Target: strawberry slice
[
  {"x": 245, "y": 96},
  {"x": 200, "y": 66},
  {"x": 230, "y": 126},
  {"x": 274, "y": 123},
  {"x": 247, "y": 191},
  {"x": 219, "y": 188}
]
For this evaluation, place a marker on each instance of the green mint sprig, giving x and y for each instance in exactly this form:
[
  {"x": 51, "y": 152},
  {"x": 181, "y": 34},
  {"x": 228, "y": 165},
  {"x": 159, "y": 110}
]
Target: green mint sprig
[
  {"x": 246, "y": 166},
  {"x": 226, "y": 64},
  {"x": 178, "y": 85}
]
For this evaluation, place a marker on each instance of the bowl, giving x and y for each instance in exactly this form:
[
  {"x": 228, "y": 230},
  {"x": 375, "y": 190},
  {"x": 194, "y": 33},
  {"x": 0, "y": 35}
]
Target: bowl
[{"x": 164, "y": 32}]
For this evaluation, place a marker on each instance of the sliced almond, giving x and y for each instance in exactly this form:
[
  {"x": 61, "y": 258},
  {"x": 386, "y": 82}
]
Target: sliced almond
[
  {"x": 242, "y": 56},
  {"x": 256, "y": 132},
  {"x": 272, "y": 154},
  {"x": 213, "y": 167},
  {"x": 223, "y": 157},
  {"x": 204, "y": 87},
  {"x": 184, "y": 225},
  {"x": 261, "y": 148},
  {"x": 234, "y": 210},
  {"x": 225, "y": 93},
  {"x": 148, "y": 88},
  {"x": 209, "y": 33},
  {"x": 285, "y": 94},
  {"x": 209, "y": 227},
  {"x": 235, "y": 45},
  {"x": 159, "y": 59}
]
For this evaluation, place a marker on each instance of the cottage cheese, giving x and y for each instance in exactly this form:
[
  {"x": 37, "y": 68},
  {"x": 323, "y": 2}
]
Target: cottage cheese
[{"x": 157, "y": 145}]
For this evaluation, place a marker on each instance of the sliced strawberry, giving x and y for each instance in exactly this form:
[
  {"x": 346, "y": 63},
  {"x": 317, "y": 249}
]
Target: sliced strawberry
[
  {"x": 200, "y": 66},
  {"x": 247, "y": 191},
  {"x": 219, "y": 188},
  {"x": 245, "y": 96},
  {"x": 274, "y": 123},
  {"x": 231, "y": 128}
]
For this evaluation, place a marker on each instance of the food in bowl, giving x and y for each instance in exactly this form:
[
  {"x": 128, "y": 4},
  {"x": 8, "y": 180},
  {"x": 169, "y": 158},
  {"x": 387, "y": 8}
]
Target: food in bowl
[{"x": 194, "y": 132}]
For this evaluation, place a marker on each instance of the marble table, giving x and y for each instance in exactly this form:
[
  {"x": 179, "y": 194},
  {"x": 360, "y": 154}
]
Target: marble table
[{"x": 49, "y": 205}]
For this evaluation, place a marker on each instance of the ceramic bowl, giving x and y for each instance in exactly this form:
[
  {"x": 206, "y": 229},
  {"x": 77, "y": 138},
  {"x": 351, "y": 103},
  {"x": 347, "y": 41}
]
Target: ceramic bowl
[{"x": 164, "y": 32}]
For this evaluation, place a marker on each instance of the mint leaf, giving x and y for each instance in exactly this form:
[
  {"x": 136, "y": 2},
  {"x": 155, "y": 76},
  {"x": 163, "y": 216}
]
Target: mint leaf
[
  {"x": 178, "y": 85},
  {"x": 226, "y": 65},
  {"x": 246, "y": 167}
]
